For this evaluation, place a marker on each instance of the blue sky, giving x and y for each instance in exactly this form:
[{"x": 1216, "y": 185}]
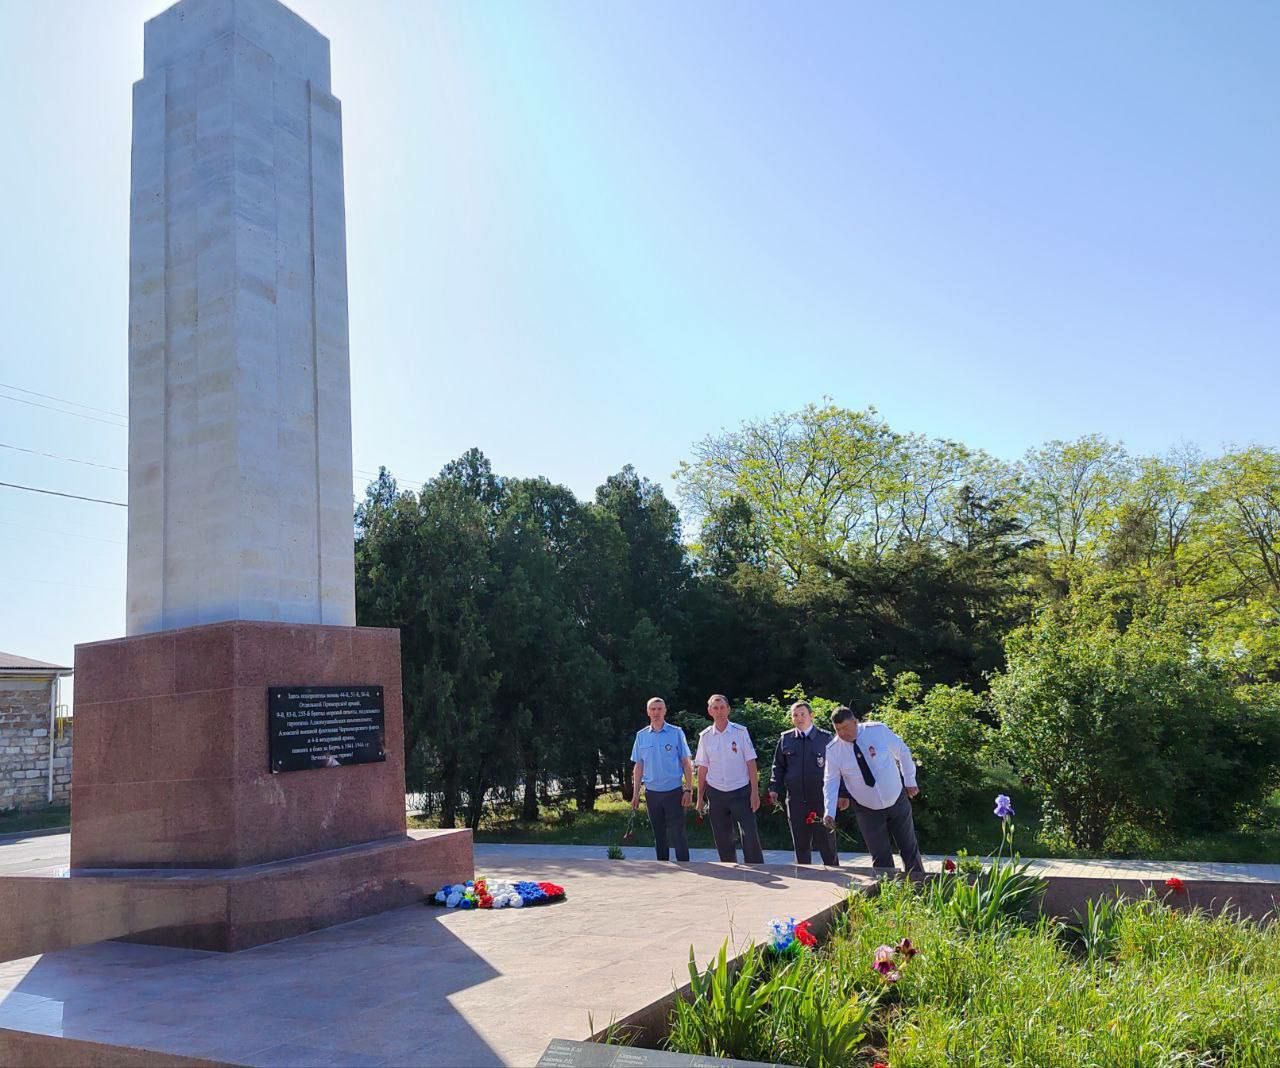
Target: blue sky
[{"x": 586, "y": 234}]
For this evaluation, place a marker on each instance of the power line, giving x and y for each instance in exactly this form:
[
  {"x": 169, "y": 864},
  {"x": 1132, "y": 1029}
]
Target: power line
[
  {"x": 55, "y": 493},
  {"x": 63, "y": 400},
  {"x": 365, "y": 472},
  {"x": 61, "y": 533},
  {"x": 72, "y": 585},
  {"x": 62, "y": 411},
  {"x": 358, "y": 473},
  {"x": 68, "y": 459}
]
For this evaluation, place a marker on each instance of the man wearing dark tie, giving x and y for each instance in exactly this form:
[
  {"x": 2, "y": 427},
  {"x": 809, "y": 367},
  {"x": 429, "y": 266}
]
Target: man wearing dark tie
[
  {"x": 798, "y": 770},
  {"x": 875, "y": 766}
]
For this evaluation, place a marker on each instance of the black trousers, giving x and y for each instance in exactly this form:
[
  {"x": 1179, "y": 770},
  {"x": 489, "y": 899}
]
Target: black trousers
[
  {"x": 805, "y": 835},
  {"x": 666, "y": 817},
  {"x": 879, "y": 825},
  {"x": 727, "y": 808}
]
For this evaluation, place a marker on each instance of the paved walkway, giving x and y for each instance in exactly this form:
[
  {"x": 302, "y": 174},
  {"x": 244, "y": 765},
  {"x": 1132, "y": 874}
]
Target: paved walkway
[
  {"x": 1187, "y": 870},
  {"x": 415, "y": 986},
  {"x": 54, "y": 850}
]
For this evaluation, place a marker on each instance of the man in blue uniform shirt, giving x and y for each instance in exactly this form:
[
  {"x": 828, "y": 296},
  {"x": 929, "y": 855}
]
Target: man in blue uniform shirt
[{"x": 664, "y": 768}]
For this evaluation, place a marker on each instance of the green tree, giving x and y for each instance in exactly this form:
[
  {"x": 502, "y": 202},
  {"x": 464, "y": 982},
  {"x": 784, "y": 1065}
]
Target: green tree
[
  {"x": 943, "y": 726},
  {"x": 1072, "y": 490},
  {"x": 818, "y": 481},
  {"x": 732, "y": 538},
  {"x": 423, "y": 566},
  {"x": 553, "y": 587},
  {"x": 657, "y": 567},
  {"x": 1120, "y": 722}
]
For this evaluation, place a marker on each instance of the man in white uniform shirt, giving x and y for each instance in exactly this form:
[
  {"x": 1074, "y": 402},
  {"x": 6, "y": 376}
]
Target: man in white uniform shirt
[
  {"x": 876, "y": 768},
  {"x": 726, "y": 763}
]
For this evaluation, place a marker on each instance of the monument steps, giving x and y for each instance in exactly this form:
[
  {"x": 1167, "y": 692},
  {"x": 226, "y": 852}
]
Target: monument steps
[{"x": 226, "y": 909}]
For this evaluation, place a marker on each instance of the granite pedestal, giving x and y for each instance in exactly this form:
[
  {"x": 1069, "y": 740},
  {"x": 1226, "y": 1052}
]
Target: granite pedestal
[
  {"x": 182, "y": 834},
  {"x": 170, "y": 767}
]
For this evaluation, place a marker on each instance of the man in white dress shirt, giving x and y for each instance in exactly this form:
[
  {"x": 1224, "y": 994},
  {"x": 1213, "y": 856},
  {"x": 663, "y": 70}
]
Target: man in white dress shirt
[
  {"x": 726, "y": 763},
  {"x": 875, "y": 766}
]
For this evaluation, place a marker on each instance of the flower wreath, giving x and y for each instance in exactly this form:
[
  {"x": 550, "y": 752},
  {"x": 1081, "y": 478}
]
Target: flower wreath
[
  {"x": 485, "y": 893},
  {"x": 788, "y": 937}
]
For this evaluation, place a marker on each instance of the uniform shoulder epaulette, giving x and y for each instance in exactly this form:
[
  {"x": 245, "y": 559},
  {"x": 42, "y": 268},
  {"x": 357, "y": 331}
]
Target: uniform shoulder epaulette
[{"x": 706, "y": 730}]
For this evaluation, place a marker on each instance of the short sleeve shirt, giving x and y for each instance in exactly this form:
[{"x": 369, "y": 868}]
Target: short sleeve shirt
[
  {"x": 725, "y": 754},
  {"x": 663, "y": 754}
]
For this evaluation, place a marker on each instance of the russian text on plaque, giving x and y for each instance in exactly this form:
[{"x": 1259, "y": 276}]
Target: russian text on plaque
[{"x": 324, "y": 727}]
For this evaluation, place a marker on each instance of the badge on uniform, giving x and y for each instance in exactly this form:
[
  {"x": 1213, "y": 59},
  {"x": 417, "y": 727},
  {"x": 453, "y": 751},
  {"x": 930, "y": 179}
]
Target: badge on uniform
[
  {"x": 668, "y": 747},
  {"x": 821, "y": 760},
  {"x": 871, "y": 751},
  {"x": 734, "y": 746}
]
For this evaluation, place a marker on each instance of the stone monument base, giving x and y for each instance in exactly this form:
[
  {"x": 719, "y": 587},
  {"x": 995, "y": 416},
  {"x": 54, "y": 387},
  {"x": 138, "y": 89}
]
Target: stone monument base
[
  {"x": 172, "y": 768},
  {"x": 227, "y": 909},
  {"x": 233, "y": 784}
]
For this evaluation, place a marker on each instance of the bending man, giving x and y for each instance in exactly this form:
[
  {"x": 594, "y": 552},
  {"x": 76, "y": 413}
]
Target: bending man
[{"x": 875, "y": 766}]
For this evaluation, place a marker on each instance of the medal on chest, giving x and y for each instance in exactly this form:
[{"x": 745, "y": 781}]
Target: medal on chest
[
  {"x": 821, "y": 760},
  {"x": 733, "y": 746},
  {"x": 871, "y": 751}
]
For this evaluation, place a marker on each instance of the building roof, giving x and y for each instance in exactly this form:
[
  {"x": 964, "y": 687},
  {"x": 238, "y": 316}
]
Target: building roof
[{"x": 12, "y": 664}]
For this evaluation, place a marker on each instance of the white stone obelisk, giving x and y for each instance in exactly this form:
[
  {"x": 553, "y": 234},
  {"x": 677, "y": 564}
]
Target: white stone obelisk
[{"x": 240, "y": 501}]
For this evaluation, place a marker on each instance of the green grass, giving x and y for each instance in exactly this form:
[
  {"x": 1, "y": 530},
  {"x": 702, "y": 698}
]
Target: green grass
[
  {"x": 37, "y": 819},
  {"x": 1168, "y": 990},
  {"x": 973, "y": 830}
]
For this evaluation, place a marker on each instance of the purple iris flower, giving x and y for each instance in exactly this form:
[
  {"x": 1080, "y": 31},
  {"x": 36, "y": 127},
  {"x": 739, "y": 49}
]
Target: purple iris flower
[{"x": 1004, "y": 807}]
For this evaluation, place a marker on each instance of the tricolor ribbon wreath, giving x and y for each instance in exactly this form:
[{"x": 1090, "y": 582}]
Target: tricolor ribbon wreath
[{"x": 485, "y": 893}]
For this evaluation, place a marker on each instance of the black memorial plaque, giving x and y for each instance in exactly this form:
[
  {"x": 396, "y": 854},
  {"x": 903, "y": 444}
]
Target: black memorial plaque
[{"x": 324, "y": 727}]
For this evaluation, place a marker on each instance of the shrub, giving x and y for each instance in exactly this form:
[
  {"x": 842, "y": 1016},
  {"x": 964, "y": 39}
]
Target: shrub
[
  {"x": 945, "y": 733},
  {"x": 1131, "y": 728}
]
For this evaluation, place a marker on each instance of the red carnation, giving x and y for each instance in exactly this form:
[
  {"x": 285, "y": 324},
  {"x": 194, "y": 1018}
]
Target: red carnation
[
  {"x": 1176, "y": 885},
  {"x": 879, "y": 1064},
  {"x": 804, "y": 935},
  {"x": 948, "y": 865},
  {"x": 811, "y": 818}
]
